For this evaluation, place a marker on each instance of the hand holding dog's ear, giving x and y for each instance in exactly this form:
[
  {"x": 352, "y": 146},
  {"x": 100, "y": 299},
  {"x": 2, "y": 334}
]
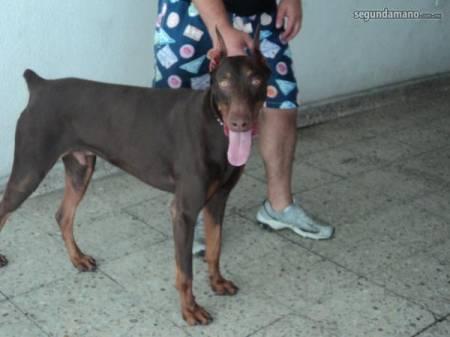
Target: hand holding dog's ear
[
  {"x": 228, "y": 42},
  {"x": 235, "y": 41}
]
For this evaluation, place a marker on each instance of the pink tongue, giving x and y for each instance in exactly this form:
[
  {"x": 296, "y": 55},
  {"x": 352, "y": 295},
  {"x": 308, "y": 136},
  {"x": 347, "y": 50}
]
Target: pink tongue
[{"x": 239, "y": 147}]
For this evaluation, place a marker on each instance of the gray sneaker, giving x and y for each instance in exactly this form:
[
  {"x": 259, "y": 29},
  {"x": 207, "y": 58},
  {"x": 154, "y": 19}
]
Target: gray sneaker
[
  {"x": 198, "y": 248},
  {"x": 294, "y": 218}
]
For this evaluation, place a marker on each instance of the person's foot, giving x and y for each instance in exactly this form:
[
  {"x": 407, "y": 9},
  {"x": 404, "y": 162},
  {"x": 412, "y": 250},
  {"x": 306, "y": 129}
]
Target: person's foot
[
  {"x": 294, "y": 218},
  {"x": 198, "y": 248}
]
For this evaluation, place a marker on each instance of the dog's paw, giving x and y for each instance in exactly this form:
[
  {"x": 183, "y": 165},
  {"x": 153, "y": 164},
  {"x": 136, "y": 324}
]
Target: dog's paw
[
  {"x": 84, "y": 263},
  {"x": 3, "y": 261},
  {"x": 196, "y": 315},
  {"x": 224, "y": 287}
]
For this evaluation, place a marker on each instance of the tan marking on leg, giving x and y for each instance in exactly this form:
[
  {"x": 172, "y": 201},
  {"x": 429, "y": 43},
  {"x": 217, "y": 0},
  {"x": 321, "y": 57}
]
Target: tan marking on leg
[
  {"x": 192, "y": 313},
  {"x": 65, "y": 218},
  {"x": 213, "y": 238}
]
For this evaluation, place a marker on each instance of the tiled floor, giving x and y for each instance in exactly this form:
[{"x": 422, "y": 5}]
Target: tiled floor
[{"x": 382, "y": 178}]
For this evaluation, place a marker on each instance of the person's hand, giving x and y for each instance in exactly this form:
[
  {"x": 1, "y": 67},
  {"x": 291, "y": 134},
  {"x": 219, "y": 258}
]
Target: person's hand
[
  {"x": 236, "y": 42},
  {"x": 289, "y": 15}
]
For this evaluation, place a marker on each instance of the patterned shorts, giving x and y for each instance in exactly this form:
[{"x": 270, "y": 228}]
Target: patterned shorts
[{"x": 182, "y": 42}]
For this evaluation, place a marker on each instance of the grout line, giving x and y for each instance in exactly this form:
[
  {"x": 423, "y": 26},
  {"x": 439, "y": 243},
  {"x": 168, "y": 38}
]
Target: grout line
[
  {"x": 24, "y": 313},
  {"x": 268, "y": 325},
  {"x": 387, "y": 289},
  {"x": 437, "y": 321},
  {"x": 407, "y": 299},
  {"x": 139, "y": 219}
]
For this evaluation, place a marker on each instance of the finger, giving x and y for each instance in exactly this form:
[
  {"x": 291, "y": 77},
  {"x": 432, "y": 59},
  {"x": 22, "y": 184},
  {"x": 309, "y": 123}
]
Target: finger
[
  {"x": 297, "y": 28},
  {"x": 288, "y": 29},
  {"x": 293, "y": 32},
  {"x": 281, "y": 14},
  {"x": 248, "y": 42}
]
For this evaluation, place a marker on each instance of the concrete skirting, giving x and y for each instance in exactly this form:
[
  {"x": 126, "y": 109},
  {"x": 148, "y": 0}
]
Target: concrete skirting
[
  {"x": 309, "y": 114},
  {"x": 340, "y": 106}
]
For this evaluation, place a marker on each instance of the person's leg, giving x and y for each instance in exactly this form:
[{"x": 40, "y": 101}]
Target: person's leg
[
  {"x": 278, "y": 140},
  {"x": 277, "y": 146},
  {"x": 181, "y": 45}
]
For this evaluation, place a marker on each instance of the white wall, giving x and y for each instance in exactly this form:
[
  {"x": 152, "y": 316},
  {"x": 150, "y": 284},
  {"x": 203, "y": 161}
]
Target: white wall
[
  {"x": 337, "y": 54},
  {"x": 107, "y": 40},
  {"x": 111, "y": 40}
]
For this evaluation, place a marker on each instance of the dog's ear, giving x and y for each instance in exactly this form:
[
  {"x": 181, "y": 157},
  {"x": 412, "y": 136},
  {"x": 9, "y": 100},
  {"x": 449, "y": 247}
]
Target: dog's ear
[
  {"x": 256, "y": 51},
  {"x": 222, "y": 46},
  {"x": 256, "y": 37},
  {"x": 216, "y": 54}
]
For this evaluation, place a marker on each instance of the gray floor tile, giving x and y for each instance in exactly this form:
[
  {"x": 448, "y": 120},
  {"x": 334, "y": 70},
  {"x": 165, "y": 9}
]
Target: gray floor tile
[
  {"x": 437, "y": 203},
  {"x": 124, "y": 236},
  {"x": 150, "y": 274},
  {"x": 247, "y": 193},
  {"x": 244, "y": 242},
  {"x": 79, "y": 304},
  {"x": 122, "y": 190},
  {"x": 424, "y": 137},
  {"x": 435, "y": 164},
  {"x": 359, "y": 308},
  {"x": 333, "y": 133},
  {"x": 324, "y": 292},
  {"x": 304, "y": 176},
  {"x": 424, "y": 278},
  {"x": 255, "y": 162},
  {"x": 342, "y": 202},
  {"x": 14, "y": 323},
  {"x": 361, "y": 156},
  {"x": 440, "y": 329},
  {"x": 35, "y": 258},
  {"x": 144, "y": 323},
  {"x": 297, "y": 326},
  {"x": 392, "y": 118},
  {"x": 398, "y": 184},
  {"x": 310, "y": 140},
  {"x": 155, "y": 213},
  {"x": 248, "y": 311},
  {"x": 442, "y": 124},
  {"x": 386, "y": 237},
  {"x": 341, "y": 161}
]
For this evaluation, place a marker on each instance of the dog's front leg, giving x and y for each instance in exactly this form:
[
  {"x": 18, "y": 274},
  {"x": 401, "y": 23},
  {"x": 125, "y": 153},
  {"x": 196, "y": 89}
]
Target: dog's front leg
[
  {"x": 213, "y": 215},
  {"x": 184, "y": 211}
]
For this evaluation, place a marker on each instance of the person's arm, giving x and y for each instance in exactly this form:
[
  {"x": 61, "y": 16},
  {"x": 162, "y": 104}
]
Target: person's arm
[
  {"x": 214, "y": 15},
  {"x": 290, "y": 15}
]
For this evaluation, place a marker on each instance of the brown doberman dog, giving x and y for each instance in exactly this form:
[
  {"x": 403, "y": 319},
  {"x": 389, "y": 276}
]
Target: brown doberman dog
[{"x": 191, "y": 143}]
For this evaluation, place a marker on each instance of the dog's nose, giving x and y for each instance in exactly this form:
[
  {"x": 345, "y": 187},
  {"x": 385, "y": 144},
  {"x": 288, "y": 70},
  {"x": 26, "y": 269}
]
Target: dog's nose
[{"x": 239, "y": 124}]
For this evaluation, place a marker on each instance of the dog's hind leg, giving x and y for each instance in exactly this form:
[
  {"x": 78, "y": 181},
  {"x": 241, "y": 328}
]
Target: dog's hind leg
[
  {"x": 28, "y": 171},
  {"x": 79, "y": 168}
]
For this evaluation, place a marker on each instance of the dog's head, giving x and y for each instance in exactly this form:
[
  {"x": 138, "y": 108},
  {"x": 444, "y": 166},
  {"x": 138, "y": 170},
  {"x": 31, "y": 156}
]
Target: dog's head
[{"x": 239, "y": 88}]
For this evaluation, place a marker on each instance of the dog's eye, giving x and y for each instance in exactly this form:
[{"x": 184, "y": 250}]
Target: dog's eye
[
  {"x": 224, "y": 84},
  {"x": 256, "y": 81}
]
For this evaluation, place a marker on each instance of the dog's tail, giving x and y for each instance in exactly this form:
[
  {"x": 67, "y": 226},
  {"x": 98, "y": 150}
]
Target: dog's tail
[{"x": 32, "y": 78}]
